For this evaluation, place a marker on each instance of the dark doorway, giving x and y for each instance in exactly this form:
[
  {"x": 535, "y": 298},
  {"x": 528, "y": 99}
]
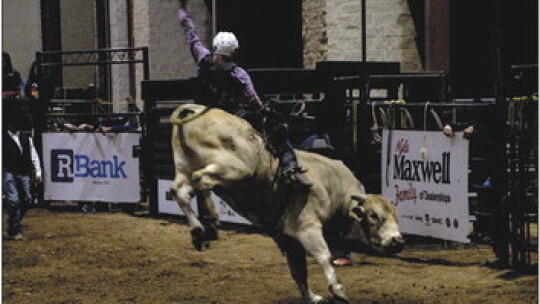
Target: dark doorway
[
  {"x": 474, "y": 42},
  {"x": 51, "y": 38},
  {"x": 520, "y": 31},
  {"x": 269, "y": 32},
  {"x": 103, "y": 24},
  {"x": 472, "y": 48},
  {"x": 418, "y": 8}
]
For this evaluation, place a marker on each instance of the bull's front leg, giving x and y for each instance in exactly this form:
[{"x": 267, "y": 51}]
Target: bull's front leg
[
  {"x": 296, "y": 259},
  {"x": 183, "y": 192},
  {"x": 312, "y": 239}
]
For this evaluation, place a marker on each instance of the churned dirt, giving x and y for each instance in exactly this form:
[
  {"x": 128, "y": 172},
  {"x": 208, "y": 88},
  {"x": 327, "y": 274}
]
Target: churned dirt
[{"x": 112, "y": 257}]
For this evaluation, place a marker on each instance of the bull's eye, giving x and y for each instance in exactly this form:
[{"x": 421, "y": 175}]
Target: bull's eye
[
  {"x": 184, "y": 113},
  {"x": 374, "y": 217}
]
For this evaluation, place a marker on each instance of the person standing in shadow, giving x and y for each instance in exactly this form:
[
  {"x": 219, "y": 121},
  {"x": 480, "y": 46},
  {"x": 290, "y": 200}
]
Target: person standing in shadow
[{"x": 20, "y": 163}]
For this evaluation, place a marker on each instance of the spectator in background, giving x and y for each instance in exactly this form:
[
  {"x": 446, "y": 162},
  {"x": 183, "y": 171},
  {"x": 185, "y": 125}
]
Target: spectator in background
[
  {"x": 11, "y": 78},
  {"x": 31, "y": 85},
  {"x": 319, "y": 142},
  {"x": 73, "y": 124},
  {"x": 19, "y": 162},
  {"x": 125, "y": 123}
]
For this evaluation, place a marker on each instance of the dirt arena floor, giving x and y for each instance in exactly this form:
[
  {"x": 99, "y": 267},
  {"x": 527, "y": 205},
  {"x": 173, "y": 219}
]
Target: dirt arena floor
[{"x": 112, "y": 257}]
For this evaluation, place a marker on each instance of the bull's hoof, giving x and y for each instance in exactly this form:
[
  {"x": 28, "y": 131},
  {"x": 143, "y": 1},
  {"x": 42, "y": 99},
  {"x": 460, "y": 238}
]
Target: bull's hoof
[
  {"x": 321, "y": 301},
  {"x": 211, "y": 233},
  {"x": 210, "y": 228},
  {"x": 318, "y": 300},
  {"x": 336, "y": 300},
  {"x": 339, "y": 295},
  {"x": 198, "y": 239}
]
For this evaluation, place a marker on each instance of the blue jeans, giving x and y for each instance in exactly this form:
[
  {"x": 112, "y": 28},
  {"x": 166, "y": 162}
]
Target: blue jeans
[{"x": 16, "y": 190}]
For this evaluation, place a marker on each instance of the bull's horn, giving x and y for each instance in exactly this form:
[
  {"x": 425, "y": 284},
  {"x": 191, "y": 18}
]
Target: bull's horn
[{"x": 358, "y": 198}]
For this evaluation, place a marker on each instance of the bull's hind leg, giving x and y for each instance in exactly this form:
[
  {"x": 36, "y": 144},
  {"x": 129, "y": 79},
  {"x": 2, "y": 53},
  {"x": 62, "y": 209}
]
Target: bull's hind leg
[
  {"x": 208, "y": 214},
  {"x": 314, "y": 243},
  {"x": 206, "y": 178},
  {"x": 183, "y": 193},
  {"x": 214, "y": 174}
]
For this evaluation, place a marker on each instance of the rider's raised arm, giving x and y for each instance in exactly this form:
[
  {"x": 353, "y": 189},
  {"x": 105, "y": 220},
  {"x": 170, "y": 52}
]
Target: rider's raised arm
[
  {"x": 198, "y": 50},
  {"x": 248, "y": 88}
]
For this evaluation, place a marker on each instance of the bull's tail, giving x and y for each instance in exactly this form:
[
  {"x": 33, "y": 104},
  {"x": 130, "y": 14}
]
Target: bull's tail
[{"x": 187, "y": 112}]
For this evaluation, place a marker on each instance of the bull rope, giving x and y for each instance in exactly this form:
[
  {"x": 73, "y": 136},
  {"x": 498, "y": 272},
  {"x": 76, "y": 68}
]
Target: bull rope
[
  {"x": 282, "y": 191},
  {"x": 177, "y": 121}
]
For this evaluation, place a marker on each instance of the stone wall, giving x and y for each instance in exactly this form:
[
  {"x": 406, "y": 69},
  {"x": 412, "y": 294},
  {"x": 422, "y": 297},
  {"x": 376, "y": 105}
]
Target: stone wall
[
  {"x": 21, "y": 33},
  {"x": 391, "y": 34},
  {"x": 119, "y": 39},
  {"x": 169, "y": 54},
  {"x": 344, "y": 30},
  {"x": 141, "y": 34},
  {"x": 78, "y": 25},
  {"x": 22, "y": 38},
  {"x": 333, "y": 31},
  {"x": 156, "y": 26},
  {"x": 314, "y": 31}
]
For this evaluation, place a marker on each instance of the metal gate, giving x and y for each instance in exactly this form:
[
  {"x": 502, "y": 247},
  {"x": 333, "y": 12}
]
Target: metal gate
[{"x": 519, "y": 247}]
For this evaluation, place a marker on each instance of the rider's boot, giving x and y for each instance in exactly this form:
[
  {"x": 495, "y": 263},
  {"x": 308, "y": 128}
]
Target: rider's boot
[{"x": 294, "y": 174}]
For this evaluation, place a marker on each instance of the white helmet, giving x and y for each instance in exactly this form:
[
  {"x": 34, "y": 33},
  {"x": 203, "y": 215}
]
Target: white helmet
[{"x": 225, "y": 43}]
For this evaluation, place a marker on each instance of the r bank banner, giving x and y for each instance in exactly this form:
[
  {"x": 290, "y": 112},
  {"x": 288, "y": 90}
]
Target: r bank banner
[
  {"x": 425, "y": 174},
  {"x": 91, "y": 167},
  {"x": 167, "y": 205}
]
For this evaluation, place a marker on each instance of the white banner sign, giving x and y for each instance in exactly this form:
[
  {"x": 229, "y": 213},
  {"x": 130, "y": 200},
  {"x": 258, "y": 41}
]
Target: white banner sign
[
  {"x": 167, "y": 204},
  {"x": 425, "y": 174},
  {"x": 91, "y": 167}
]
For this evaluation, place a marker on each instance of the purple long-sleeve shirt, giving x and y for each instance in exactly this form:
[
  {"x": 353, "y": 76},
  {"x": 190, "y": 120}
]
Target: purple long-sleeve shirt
[{"x": 199, "y": 51}]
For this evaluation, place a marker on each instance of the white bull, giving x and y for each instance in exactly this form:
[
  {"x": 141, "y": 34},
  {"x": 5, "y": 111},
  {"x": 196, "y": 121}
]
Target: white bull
[{"x": 214, "y": 150}]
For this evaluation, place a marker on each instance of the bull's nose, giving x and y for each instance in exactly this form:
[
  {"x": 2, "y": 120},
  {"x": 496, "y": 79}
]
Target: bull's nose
[
  {"x": 397, "y": 244},
  {"x": 398, "y": 240}
]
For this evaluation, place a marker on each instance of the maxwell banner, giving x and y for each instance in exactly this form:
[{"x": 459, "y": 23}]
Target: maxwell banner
[
  {"x": 425, "y": 174},
  {"x": 92, "y": 167}
]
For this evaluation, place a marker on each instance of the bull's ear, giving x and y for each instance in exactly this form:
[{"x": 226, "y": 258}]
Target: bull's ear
[{"x": 357, "y": 210}]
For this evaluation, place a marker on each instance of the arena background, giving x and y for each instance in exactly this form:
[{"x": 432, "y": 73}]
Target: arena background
[{"x": 110, "y": 256}]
